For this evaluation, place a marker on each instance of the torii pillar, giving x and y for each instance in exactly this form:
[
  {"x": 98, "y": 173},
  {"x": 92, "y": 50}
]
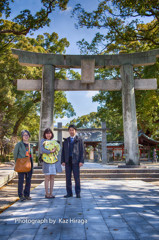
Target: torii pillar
[
  {"x": 47, "y": 99},
  {"x": 129, "y": 115},
  {"x": 127, "y": 84}
]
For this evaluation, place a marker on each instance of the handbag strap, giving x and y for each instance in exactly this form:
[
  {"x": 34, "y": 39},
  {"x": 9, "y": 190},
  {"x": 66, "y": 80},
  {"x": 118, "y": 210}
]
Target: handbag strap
[{"x": 29, "y": 149}]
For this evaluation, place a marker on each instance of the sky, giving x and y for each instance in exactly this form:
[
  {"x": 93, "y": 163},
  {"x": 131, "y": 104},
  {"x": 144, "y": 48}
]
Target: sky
[{"x": 64, "y": 26}]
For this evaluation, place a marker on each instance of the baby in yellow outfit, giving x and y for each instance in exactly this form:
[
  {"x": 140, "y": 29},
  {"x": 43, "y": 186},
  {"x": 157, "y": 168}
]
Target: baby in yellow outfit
[{"x": 52, "y": 157}]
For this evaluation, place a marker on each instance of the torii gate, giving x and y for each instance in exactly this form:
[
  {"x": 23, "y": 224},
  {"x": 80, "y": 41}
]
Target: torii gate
[{"x": 87, "y": 63}]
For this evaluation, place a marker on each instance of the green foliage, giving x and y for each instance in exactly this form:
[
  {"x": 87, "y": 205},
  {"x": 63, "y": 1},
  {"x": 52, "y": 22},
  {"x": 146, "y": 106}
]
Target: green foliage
[
  {"x": 87, "y": 121},
  {"x": 18, "y": 109},
  {"x": 72, "y": 75},
  {"x": 123, "y": 22},
  {"x": 125, "y": 32},
  {"x": 110, "y": 111},
  {"x": 62, "y": 106},
  {"x": 25, "y": 22}
]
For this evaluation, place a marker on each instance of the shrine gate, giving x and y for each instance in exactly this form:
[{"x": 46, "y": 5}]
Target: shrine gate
[{"x": 48, "y": 84}]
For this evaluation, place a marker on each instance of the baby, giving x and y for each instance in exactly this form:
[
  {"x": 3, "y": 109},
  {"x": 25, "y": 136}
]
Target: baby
[{"x": 52, "y": 157}]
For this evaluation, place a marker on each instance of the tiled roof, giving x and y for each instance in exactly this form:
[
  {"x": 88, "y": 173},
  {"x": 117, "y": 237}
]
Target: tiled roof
[{"x": 150, "y": 140}]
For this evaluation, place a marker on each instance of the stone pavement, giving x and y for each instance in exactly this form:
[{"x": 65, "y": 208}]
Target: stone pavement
[{"x": 108, "y": 210}]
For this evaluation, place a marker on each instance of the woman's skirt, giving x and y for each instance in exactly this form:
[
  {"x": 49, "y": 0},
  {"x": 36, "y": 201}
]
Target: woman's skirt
[{"x": 49, "y": 168}]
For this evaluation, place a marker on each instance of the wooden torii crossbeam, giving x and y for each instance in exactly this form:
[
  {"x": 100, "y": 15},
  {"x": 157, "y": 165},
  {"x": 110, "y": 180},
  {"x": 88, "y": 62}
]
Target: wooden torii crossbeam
[{"x": 48, "y": 84}]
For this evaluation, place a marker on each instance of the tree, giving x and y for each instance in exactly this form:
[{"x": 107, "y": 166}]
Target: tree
[
  {"x": 87, "y": 121},
  {"x": 18, "y": 108},
  {"x": 25, "y": 22},
  {"x": 123, "y": 22},
  {"x": 125, "y": 32}
]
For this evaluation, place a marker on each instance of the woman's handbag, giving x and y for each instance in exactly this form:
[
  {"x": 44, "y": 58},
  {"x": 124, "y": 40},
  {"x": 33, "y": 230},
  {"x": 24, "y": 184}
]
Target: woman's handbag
[{"x": 23, "y": 164}]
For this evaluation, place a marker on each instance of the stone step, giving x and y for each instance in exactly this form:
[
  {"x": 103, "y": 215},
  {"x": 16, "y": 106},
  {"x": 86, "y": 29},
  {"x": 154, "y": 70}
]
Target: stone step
[
  {"x": 39, "y": 171},
  {"x": 107, "y": 174},
  {"x": 39, "y": 181},
  {"x": 102, "y": 175}
]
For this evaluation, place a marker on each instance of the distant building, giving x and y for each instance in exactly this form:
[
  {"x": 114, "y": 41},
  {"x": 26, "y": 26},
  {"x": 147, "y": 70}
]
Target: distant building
[
  {"x": 146, "y": 146},
  {"x": 115, "y": 150}
]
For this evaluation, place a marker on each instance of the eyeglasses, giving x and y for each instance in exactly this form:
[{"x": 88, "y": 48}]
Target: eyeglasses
[{"x": 25, "y": 135}]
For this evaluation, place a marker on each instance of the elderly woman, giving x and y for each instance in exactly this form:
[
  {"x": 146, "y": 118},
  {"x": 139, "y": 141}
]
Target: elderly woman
[
  {"x": 21, "y": 150},
  {"x": 51, "y": 164}
]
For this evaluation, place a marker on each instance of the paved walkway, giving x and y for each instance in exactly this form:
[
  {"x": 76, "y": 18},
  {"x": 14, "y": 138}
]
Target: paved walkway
[{"x": 108, "y": 210}]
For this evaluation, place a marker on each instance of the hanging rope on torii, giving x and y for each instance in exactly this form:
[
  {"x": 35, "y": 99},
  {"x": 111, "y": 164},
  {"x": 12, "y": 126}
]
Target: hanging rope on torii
[{"x": 48, "y": 84}]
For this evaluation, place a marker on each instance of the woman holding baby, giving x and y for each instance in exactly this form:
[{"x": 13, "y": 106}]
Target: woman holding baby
[{"x": 50, "y": 150}]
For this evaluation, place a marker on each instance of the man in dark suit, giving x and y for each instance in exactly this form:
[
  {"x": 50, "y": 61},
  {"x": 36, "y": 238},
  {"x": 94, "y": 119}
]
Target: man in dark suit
[{"x": 72, "y": 158}]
